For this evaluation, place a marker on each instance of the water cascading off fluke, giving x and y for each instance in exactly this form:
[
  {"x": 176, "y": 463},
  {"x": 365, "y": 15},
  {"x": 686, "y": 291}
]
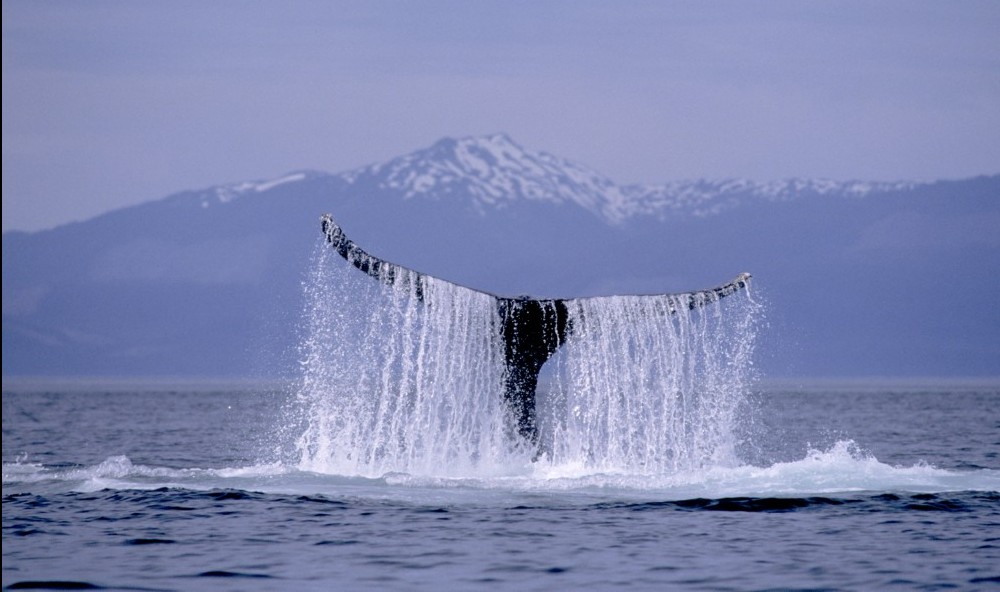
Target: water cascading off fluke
[{"x": 413, "y": 376}]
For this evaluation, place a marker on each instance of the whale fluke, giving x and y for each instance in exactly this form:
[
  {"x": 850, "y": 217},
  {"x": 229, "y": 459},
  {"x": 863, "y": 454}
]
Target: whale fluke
[{"x": 532, "y": 329}]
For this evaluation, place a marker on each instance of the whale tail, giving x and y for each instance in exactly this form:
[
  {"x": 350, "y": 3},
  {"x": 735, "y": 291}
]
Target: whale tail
[{"x": 532, "y": 329}]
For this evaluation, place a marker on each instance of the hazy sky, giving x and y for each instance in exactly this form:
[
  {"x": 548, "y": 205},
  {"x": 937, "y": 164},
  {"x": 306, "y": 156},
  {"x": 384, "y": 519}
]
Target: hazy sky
[{"x": 107, "y": 103}]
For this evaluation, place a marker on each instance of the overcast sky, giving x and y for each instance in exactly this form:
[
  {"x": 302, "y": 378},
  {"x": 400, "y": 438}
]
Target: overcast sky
[{"x": 107, "y": 104}]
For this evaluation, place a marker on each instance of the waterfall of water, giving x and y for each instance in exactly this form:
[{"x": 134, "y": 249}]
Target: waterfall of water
[
  {"x": 396, "y": 383},
  {"x": 644, "y": 390}
]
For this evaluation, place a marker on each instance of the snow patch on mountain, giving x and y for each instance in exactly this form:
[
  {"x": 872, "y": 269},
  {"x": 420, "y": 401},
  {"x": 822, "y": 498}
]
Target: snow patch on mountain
[
  {"x": 226, "y": 193},
  {"x": 707, "y": 198}
]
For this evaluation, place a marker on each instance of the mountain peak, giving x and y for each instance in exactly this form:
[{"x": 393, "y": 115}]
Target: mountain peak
[
  {"x": 493, "y": 171},
  {"x": 497, "y": 141}
]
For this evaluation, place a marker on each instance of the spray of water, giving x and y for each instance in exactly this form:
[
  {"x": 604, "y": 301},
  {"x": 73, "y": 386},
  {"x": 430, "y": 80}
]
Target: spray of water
[
  {"x": 641, "y": 390},
  {"x": 393, "y": 383}
]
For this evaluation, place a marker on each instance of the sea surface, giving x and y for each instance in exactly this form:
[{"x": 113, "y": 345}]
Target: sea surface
[{"x": 876, "y": 485}]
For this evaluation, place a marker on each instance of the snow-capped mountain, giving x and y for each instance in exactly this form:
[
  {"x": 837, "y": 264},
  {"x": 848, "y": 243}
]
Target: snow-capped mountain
[
  {"x": 495, "y": 172},
  {"x": 208, "y": 282}
]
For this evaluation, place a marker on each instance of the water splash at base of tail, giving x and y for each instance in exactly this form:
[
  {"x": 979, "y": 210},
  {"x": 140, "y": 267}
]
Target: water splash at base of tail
[{"x": 399, "y": 382}]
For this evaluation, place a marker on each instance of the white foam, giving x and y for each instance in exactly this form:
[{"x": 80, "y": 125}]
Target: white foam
[{"x": 840, "y": 471}]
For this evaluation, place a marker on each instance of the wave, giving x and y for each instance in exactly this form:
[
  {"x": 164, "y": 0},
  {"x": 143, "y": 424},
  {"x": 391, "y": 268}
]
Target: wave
[
  {"x": 842, "y": 470},
  {"x": 119, "y": 472}
]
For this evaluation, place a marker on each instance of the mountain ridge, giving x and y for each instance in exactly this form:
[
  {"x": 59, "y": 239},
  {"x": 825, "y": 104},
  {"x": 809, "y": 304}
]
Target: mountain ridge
[
  {"x": 494, "y": 170},
  {"x": 208, "y": 282}
]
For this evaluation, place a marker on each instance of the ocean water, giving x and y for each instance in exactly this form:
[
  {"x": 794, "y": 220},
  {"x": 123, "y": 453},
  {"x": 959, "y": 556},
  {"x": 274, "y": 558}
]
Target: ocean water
[{"x": 158, "y": 487}]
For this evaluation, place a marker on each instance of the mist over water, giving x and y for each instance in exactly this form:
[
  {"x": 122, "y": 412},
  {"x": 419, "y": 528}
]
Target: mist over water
[{"x": 395, "y": 384}]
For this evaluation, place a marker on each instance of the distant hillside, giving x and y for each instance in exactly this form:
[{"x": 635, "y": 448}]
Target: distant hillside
[{"x": 888, "y": 279}]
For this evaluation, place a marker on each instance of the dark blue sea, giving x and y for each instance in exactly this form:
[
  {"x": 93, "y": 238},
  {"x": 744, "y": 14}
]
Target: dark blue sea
[{"x": 157, "y": 486}]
